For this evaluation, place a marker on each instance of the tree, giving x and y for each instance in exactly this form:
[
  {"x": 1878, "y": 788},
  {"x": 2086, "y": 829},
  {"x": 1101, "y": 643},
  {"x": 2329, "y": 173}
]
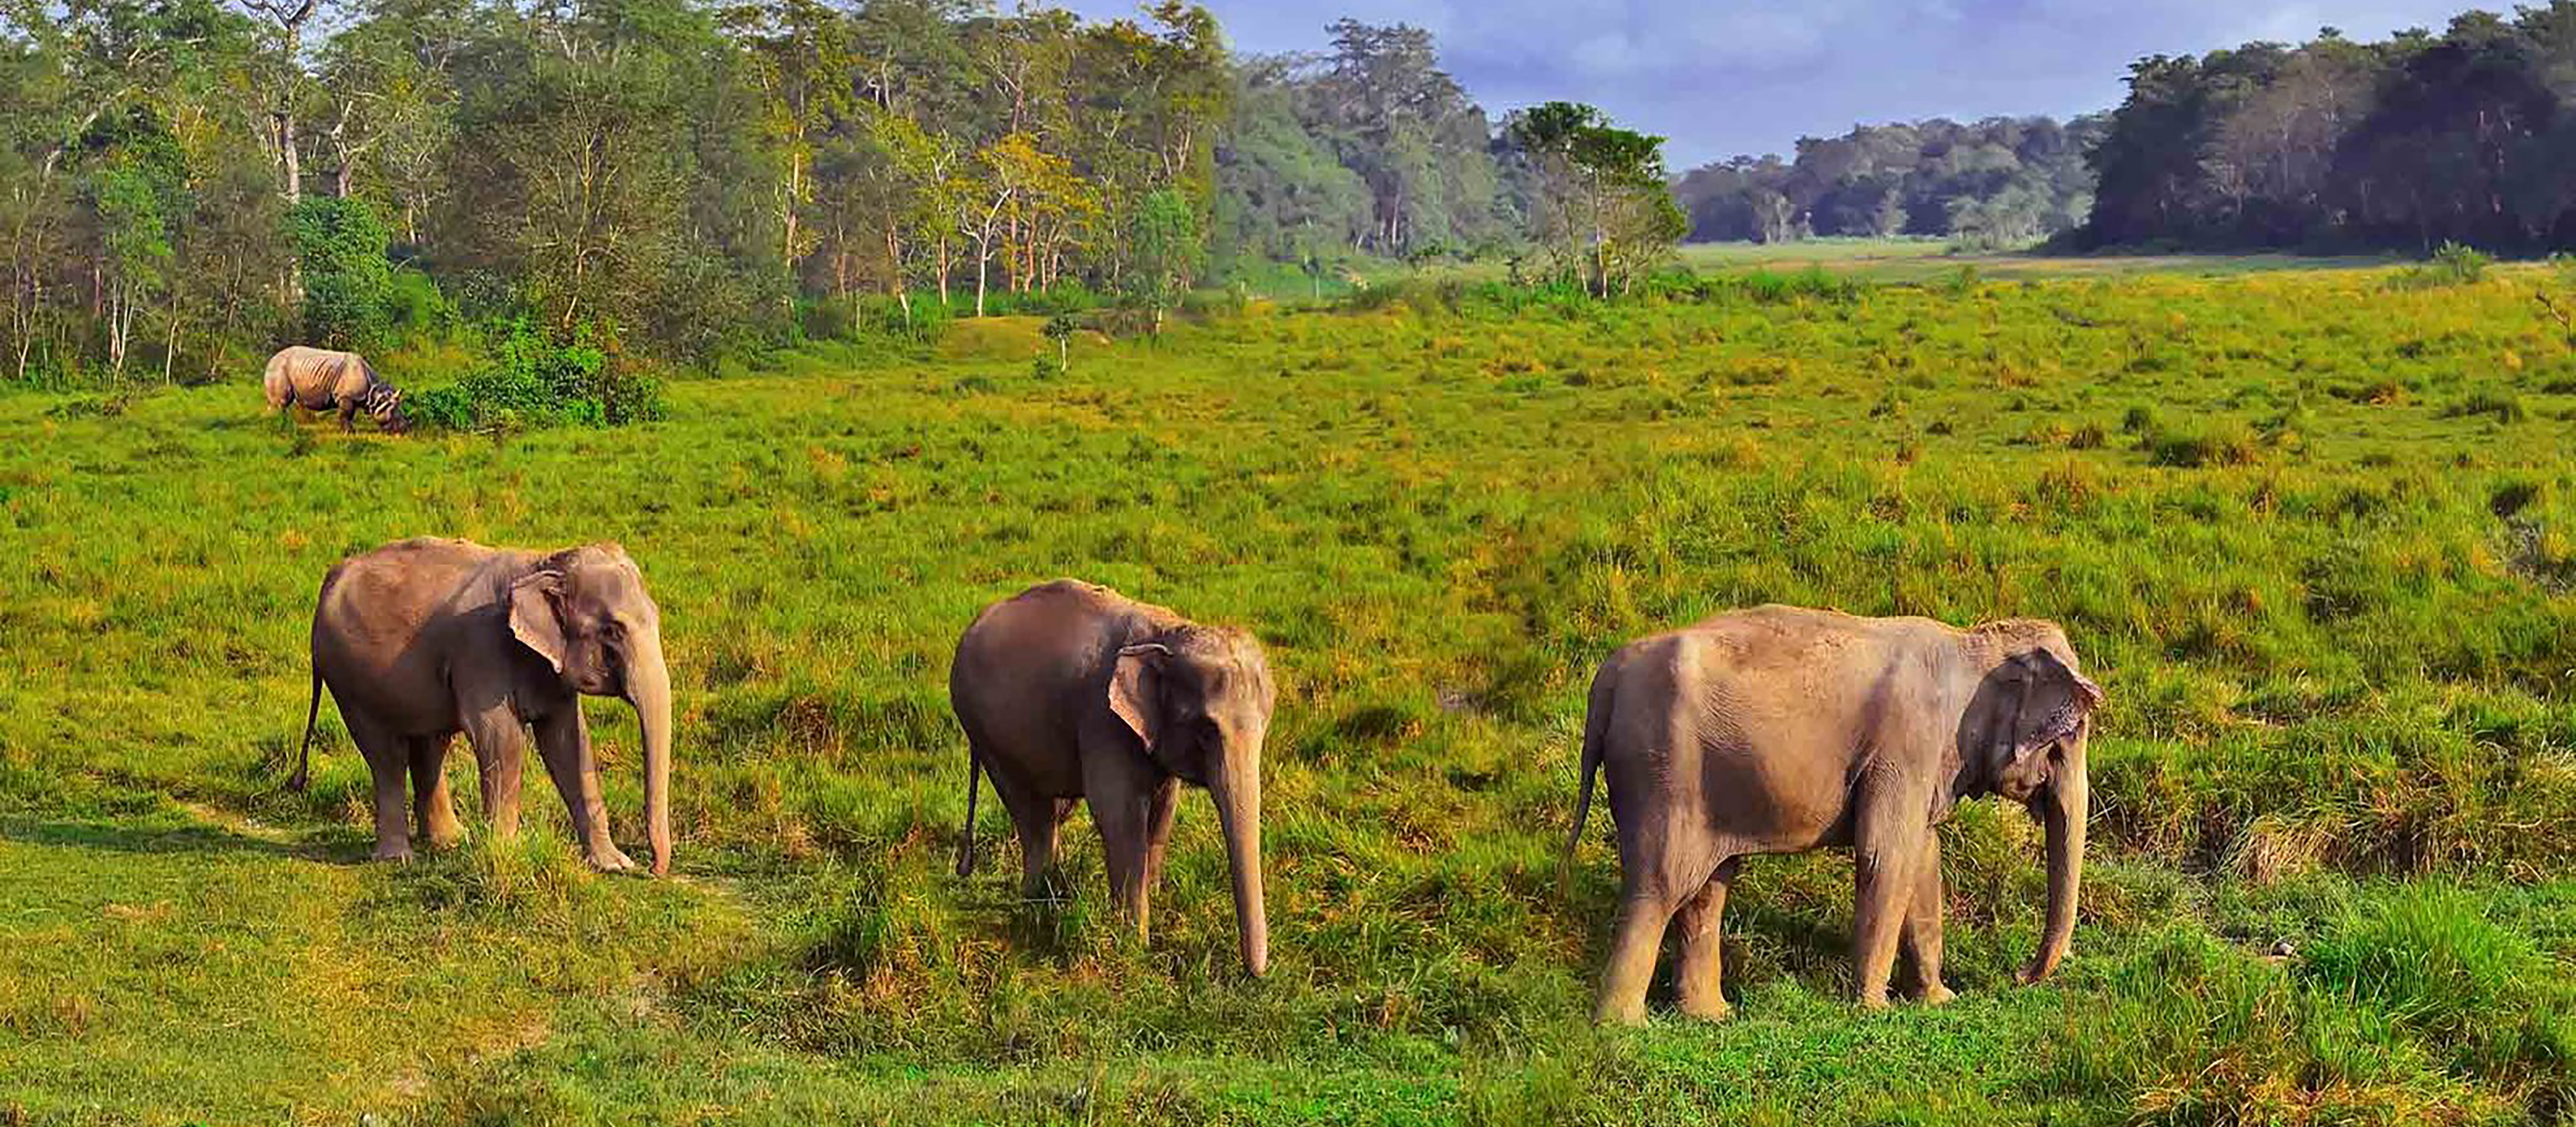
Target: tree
[
  {"x": 348, "y": 284},
  {"x": 131, "y": 201},
  {"x": 799, "y": 54},
  {"x": 1163, "y": 236},
  {"x": 1607, "y": 201}
]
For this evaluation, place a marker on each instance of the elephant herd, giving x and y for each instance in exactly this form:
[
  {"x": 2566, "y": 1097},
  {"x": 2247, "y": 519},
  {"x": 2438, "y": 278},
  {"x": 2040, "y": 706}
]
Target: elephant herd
[{"x": 1766, "y": 731}]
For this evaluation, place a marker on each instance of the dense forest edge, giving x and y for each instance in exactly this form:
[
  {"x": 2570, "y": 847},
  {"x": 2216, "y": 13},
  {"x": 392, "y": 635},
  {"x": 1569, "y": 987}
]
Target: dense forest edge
[{"x": 560, "y": 199}]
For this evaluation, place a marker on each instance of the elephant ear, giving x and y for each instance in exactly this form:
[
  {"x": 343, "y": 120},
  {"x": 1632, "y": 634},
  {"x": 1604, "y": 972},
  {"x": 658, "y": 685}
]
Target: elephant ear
[
  {"x": 533, "y": 618},
  {"x": 1135, "y": 690},
  {"x": 2051, "y": 702}
]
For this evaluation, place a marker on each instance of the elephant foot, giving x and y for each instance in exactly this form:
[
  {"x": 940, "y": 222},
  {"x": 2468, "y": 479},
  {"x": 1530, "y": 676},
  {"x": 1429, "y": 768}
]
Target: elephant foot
[
  {"x": 1872, "y": 1002},
  {"x": 1937, "y": 994},
  {"x": 607, "y": 859},
  {"x": 399, "y": 854},
  {"x": 443, "y": 840},
  {"x": 1708, "y": 1011},
  {"x": 1630, "y": 1014}
]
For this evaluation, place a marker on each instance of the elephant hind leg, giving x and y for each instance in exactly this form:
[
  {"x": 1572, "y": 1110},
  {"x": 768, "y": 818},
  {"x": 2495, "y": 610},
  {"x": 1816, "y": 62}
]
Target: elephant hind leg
[
  {"x": 1698, "y": 977},
  {"x": 387, "y": 756},
  {"x": 430, "y": 796},
  {"x": 1643, "y": 913},
  {"x": 1035, "y": 818}
]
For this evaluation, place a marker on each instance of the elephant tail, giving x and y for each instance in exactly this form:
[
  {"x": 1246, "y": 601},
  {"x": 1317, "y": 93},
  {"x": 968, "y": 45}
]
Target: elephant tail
[
  {"x": 1596, "y": 733},
  {"x": 966, "y": 845},
  {"x": 304, "y": 749}
]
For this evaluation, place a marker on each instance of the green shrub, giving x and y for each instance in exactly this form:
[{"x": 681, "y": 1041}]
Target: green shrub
[
  {"x": 2505, "y": 406},
  {"x": 349, "y": 292},
  {"x": 2454, "y": 264},
  {"x": 534, "y": 381},
  {"x": 2222, "y": 445}
]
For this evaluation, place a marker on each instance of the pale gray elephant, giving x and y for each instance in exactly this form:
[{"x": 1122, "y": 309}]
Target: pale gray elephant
[
  {"x": 1780, "y": 730},
  {"x": 421, "y": 639},
  {"x": 320, "y": 380},
  {"x": 1071, "y": 691}
]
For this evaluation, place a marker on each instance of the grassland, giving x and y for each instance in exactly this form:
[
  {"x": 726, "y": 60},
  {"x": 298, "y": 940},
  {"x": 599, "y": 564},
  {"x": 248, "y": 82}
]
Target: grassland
[{"x": 2315, "y": 533}]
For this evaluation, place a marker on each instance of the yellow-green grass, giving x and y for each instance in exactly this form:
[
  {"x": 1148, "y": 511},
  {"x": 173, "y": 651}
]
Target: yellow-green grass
[{"x": 2315, "y": 533}]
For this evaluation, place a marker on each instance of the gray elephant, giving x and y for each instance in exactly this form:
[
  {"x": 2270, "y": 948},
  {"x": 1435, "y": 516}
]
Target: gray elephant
[
  {"x": 321, "y": 380},
  {"x": 421, "y": 639},
  {"x": 1071, "y": 691},
  {"x": 1780, "y": 730}
]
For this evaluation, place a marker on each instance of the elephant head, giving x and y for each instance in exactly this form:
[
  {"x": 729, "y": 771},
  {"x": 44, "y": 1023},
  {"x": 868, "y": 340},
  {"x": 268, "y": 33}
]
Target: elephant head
[
  {"x": 2039, "y": 712},
  {"x": 1199, "y": 700},
  {"x": 586, "y": 612}
]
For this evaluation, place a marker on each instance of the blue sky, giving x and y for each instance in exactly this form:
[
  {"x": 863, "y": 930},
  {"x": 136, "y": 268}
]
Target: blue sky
[{"x": 1726, "y": 76}]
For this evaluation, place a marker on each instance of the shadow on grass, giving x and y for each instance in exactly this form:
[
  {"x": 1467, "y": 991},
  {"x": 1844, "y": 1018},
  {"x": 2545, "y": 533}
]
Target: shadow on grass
[{"x": 114, "y": 838}]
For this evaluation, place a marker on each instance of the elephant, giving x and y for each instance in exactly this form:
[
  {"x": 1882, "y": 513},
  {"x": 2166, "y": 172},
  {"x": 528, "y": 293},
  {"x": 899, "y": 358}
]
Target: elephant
[
  {"x": 1781, "y": 730},
  {"x": 1070, "y": 691},
  {"x": 321, "y": 380},
  {"x": 421, "y": 639}
]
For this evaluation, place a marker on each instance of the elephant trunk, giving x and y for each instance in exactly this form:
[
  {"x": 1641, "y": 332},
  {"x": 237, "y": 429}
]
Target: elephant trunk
[
  {"x": 648, "y": 684},
  {"x": 1237, "y": 790},
  {"x": 2063, "y": 808}
]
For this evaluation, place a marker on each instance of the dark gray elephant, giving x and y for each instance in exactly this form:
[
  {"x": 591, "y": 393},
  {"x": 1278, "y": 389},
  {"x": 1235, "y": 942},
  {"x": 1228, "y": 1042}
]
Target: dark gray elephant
[
  {"x": 1071, "y": 691},
  {"x": 1780, "y": 730},
  {"x": 422, "y": 639}
]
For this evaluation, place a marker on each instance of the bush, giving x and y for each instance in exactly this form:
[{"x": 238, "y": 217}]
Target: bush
[
  {"x": 348, "y": 281},
  {"x": 415, "y": 307},
  {"x": 875, "y": 319},
  {"x": 534, "y": 381},
  {"x": 2454, "y": 264},
  {"x": 2505, "y": 406},
  {"x": 2225, "y": 444}
]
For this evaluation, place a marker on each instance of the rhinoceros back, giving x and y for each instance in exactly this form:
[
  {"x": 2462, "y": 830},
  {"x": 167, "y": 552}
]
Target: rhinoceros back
[{"x": 316, "y": 378}]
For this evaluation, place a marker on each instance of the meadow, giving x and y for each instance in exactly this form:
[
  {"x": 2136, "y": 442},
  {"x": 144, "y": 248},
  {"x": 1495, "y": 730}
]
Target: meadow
[{"x": 2314, "y": 531}]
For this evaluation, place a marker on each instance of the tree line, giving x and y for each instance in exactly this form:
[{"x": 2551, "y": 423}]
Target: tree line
[
  {"x": 1998, "y": 182},
  {"x": 186, "y": 181},
  {"x": 2408, "y": 143}
]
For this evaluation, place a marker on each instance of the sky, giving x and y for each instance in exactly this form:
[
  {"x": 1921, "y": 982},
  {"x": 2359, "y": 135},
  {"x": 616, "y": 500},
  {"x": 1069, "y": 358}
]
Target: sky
[{"x": 1721, "y": 77}]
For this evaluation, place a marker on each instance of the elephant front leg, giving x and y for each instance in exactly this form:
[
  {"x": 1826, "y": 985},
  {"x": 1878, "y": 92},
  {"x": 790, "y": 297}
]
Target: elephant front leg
[
  {"x": 1923, "y": 924},
  {"x": 563, "y": 740},
  {"x": 1700, "y": 974},
  {"x": 1158, "y": 831},
  {"x": 1121, "y": 792},
  {"x": 499, "y": 743},
  {"x": 1887, "y": 844}
]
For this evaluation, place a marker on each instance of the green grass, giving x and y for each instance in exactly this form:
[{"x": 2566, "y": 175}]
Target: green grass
[{"x": 2324, "y": 579}]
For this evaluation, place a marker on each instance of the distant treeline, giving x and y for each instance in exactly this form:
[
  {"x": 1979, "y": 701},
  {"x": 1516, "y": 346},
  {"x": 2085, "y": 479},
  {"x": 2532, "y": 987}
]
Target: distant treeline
[
  {"x": 2466, "y": 136},
  {"x": 2001, "y": 181}
]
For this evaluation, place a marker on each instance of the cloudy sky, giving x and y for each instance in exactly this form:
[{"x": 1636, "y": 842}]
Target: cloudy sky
[{"x": 1726, "y": 76}]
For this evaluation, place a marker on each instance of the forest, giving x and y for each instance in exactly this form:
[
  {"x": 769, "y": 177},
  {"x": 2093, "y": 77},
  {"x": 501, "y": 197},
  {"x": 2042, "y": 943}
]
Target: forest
[
  {"x": 2463, "y": 136},
  {"x": 1999, "y": 183},
  {"x": 187, "y": 182}
]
